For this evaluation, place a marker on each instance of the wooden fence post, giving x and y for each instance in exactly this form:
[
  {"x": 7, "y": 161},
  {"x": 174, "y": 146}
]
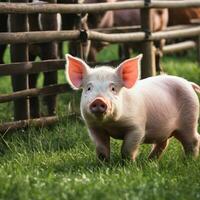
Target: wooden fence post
[
  {"x": 198, "y": 49},
  {"x": 76, "y": 47},
  {"x": 148, "y": 62},
  {"x": 19, "y": 53},
  {"x": 50, "y": 51},
  {"x": 3, "y": 28}
]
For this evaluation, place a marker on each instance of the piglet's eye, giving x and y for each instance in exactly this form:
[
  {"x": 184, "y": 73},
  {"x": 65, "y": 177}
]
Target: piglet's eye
[
  {"x": 89, "y": 88},
  {"x": 113, "y": 88}
]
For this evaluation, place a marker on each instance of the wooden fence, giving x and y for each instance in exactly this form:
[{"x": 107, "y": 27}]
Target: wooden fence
[{"x": 19, "y": 36}]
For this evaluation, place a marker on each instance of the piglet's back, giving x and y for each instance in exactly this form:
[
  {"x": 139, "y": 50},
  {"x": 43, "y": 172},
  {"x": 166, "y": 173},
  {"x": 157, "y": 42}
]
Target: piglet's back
[{"x": 169, "y": 102}]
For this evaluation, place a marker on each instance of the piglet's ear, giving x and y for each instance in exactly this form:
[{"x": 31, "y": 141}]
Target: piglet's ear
[
  {"x": 75, "y": 71},
  {"x": 129, "y": 71}
]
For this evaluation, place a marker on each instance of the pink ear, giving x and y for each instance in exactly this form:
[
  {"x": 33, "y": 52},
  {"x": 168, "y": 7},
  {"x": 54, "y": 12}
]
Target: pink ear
[
  {"x": 129, "y": 71},
  {"x": 75, "y": 70}
]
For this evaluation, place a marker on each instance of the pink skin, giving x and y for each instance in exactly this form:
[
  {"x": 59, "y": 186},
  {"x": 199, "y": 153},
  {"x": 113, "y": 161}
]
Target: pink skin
[{"x": 137, "y": 111}]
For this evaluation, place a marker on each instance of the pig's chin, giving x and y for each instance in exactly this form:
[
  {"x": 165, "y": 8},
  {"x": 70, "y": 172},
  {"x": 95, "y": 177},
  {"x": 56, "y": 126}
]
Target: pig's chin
[{"x": 98, "y": 117}]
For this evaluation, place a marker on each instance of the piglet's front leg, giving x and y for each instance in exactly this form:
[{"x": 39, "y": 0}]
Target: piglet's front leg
[
  {"x": 102, "y": 143},
  {"x": 131, "y": 143}
]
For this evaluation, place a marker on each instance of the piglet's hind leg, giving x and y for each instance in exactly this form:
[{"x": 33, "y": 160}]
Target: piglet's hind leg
[
  {"x": 158, "y": 149},
  {"x": 190, "y": 142}
]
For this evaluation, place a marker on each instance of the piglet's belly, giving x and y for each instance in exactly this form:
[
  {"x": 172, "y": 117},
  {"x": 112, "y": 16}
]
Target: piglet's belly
[
  {"x": 156, "y": 137},
  {"x": 152, "y": 135},
  {"x": 158, "y": 134}
]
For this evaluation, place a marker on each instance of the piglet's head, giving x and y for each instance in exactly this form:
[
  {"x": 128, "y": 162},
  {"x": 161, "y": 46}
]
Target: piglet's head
[{"x": 102, "y": 96}]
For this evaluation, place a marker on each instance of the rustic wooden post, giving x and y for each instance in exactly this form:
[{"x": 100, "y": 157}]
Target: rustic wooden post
[
  {"x": 75, "y": 23},
  {"x": 198, "y": 49},
  {"x": 77, "y": 45},
  {"x": 19, "y": 53},
  {"x": 3, "y": 28},
  {"x": 33, "y": 101},
  {"x": 50, "y": 51},
  {"x": 84, "y": 43},
  {"x": 148, "y": 62}
]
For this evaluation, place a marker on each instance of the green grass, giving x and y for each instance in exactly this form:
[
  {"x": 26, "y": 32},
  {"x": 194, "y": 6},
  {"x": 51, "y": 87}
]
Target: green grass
[{"x": 59, "y": 162}]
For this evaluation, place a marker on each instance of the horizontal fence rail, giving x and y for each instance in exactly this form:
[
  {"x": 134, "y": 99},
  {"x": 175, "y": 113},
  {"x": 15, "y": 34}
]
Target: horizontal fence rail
[
  {"x": 118, "y": 29},
  {"x": 140, "y": 36},
  {"x": 52, "y": 65},
  {"x": 31, "y": 67},
  {"x": 39, "y": 122},
  {"x": 38, "y": 36},
  {"x": 173, "y": 48},
  {"x": 48, "y": 90},
  {"x": 29, "y": 8},
  {"x": 42, "y": 66},
  {"x": 47, "y": 36}
]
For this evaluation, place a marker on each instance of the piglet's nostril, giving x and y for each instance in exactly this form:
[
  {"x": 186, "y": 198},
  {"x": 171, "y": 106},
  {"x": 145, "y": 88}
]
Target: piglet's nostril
[
  {"x": 98, "y": 106},
  {"x": 103, "y": 107}
]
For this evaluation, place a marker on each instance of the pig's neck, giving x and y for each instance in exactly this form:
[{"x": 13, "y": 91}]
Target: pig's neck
[{"x": 133, "y": 108}]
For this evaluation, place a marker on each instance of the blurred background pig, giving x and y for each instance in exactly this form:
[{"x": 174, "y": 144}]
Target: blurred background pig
[{"x": 128, "y": 17}]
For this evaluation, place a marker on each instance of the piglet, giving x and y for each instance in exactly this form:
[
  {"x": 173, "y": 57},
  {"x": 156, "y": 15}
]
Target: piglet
[{"x": 115, "y": 103}]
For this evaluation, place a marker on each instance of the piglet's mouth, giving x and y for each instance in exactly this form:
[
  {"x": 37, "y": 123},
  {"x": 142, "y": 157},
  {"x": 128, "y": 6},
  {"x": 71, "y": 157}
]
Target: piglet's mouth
[{"x": 99, "y": 116}]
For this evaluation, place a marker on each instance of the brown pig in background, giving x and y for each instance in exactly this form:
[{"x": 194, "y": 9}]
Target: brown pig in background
[{"x": 116, "y": 104}]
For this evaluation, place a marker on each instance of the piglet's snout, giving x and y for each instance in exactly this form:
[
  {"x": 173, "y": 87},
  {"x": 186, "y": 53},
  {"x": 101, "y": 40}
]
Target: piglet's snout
[{"x": 98, "y": 106}]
